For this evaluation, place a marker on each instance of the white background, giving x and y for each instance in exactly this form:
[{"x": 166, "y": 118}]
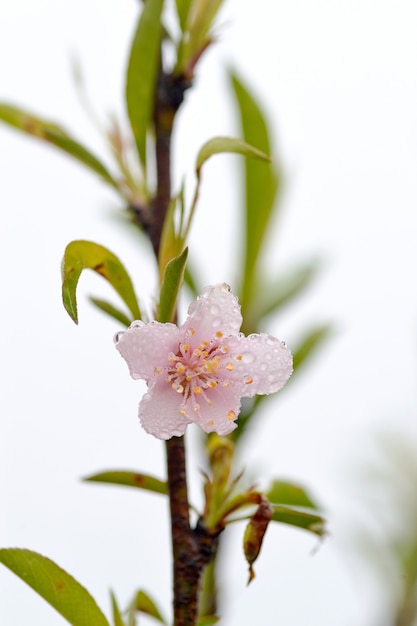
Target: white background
[{"x": 339, "y": 84}]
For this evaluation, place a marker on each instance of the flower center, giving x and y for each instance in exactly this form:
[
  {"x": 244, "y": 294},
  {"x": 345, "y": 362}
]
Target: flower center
[{"x": 193, "y": 373}]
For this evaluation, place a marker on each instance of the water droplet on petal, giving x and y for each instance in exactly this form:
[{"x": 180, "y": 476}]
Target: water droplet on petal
[
  {"x": 214, "y": 309},
  {"x": 263, "y": 367},
  {"x": 225, "y": 287},
  {"x": 248, "y": 357},
  {"x": 118, "y": 336},
  {"x": 253, "y": 336},
  {"x": 137, "y": 324},
  {"x": 271, "y": 341},
  {"x": 216, "y": 322}
]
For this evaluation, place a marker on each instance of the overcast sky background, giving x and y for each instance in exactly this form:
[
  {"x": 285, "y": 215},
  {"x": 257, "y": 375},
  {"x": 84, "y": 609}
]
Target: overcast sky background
[{"x": 338, "y": 80}]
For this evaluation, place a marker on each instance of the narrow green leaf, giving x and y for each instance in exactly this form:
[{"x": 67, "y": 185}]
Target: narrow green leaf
[
  {"x": 171, "y": 284},
  {"x": 56, "y": 586},
  {"x": 208, "y": 620},
  {"x": 142, "y": 72},
  {"x": 199, "y": 21},
  {"x": 130, "y": 479},
  {"x": 171, "y": 243},
  {"x": 111, "y": 310},
  {"x": 81, "y": 255},
  {"x": 285, "y": 288},
  {"x": 219, "y": 145},
  {"x": 310, "y": 343},
  {"x": 117, "y": 616},
  {"x": 261, "y": 182},
  {"x": 300, "y": 519},
  {"x": 183, "y": 8},
  {"x": 283, "y": 492},
  {"x": 144, "y": 603},
  {"x": 54, "y": 135}
]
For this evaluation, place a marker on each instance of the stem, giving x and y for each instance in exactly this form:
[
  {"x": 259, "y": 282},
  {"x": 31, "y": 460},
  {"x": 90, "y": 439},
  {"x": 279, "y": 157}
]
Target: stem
[
  {"x": 185, "y": 550},
  {"x": 169, "y": 97}
]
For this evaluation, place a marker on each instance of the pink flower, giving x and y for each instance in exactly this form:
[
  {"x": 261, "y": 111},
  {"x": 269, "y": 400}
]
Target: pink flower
[{"x": 200, "y": 371}]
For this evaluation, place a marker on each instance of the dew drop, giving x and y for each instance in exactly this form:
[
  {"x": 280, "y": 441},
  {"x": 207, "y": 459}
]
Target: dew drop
[
  {"x": 137, "y": 324},
  {"x": 248, "y": 357},
  {"x": 118, "y": 336},
  {"x": 216, "y": 322},
  {"x": 226, "y": 288},
  {"x": 271, "y": 341},
  {"x": 253, "y": 337},
  {"x": 214, "y": 309},
  {"x": 263, "y": 367}
]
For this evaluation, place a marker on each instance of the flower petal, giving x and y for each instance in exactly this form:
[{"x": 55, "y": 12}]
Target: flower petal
[
  {"x": 159, "y": 411},
  {"x": 220, "y": 416},
  {"x": 262, "y": 364},
  {"x": 146, "y": 347},
  {"x": 217, "y": 310}
]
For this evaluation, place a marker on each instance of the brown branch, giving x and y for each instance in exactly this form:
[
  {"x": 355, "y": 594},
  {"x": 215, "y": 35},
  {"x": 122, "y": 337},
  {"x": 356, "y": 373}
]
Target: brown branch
[{"x": 169, "y": 97}]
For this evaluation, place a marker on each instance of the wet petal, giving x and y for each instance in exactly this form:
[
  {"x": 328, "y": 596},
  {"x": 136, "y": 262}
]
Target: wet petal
[
  {"x": 159, "y": 411},
  {"x": 147, "y": 347},
  {"x": 262, "y": 364},
  {"x": 220, "y": 416},
  {"x": 217, "y": 310}
]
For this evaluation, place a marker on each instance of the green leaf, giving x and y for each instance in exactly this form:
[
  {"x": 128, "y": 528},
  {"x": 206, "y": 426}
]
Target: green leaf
[
  {"x": 55, "y": 585},
  {"x": 117, "y": 616},
  {"x": 310, "y": 343},
  {"x": 130, "y": 479},
  {"x": 261, "y": 183},
  {"x": 183, "y": 8},
  {"x": 171, "y": 284},
  {"x": 283, "y": 492},
  {"x": 275, "y": 295},
  {"x": 111, "y": 310},
  {"x": 220, "y": 145},
  {"x": 199, "y": 21},
  {"x": 208, "y": 620},
  {"x": 300, "y": 519},
  {"x": 142, "y": 73},
  {"x": 54, "y": 135},
  {"x": 144, "y": 603},
  {"x": 81, "y": 255}
]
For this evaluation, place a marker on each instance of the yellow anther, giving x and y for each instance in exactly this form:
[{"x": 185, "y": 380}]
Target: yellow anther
[
  {"x": 219, "y": 334},
  {"x": 248, "y": 381},
  {"x": 180, "y": 368},
  {"x": 211, "y": 422},
  {"x": 188, "y": 378},
  {"x": 198, "y": 390},
  {"x": 229, "y": 366},
  {"x": 238, "y": 357},
  {"x": 209, "y": 402},
  {"x": 205, "y": 342},
  {"x": 182, "y": 412},
  {"x": 231, "y": 415},
  {"x": 159, "y": 370},
  {"x": 224, "y": 349},
  {"x": 178, "y": 388},
  {"x": 212, "y": 384},
  {"x": 192, "y": 331},
  {"x": 171, "y": 359},
  {"x": 186, "y": 346}
]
